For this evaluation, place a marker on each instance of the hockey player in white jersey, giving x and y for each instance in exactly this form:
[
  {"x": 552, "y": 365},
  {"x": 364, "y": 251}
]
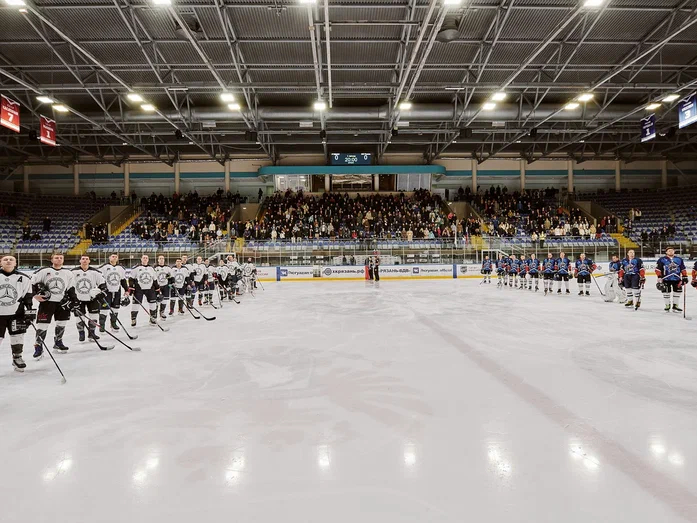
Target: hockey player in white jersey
[
  {"x": 249, "y": 274},
  {"x": 89, "y": 288},
  {"x": 54, "y": 289},
  {"x": 180, "y": 279},
  {"x": 16, "y": 313},
  {"x": 200, "y": 278},
  {"x": 614, "y": 286},
  {"x": 143, "y": 287},
  {"x": 223, "y": 273},
  {"x": 235, "y": 275},
  {"x": 211, "y": 278},
  {"x": 115, "y": 278},
  {"x": 164, "y": 274}
]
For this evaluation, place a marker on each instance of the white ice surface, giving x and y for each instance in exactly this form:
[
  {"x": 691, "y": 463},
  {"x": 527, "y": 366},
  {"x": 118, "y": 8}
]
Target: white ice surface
[{"x": 343, "y": 402}]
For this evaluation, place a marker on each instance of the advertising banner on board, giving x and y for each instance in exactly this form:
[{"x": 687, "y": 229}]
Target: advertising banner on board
[
  {"x": 295, "y": 273},
  {"x": 344, "y": 272}
]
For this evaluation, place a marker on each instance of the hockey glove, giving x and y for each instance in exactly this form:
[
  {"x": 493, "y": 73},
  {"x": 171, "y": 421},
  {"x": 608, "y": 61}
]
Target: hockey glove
[
  {"x": 684, "y": 280},
  {"x": 482, "y": 271},
  {"x": 125, "y": 301},
  {"x": 621, "y": 283},
  {"x": 694, "y": 283},
  {"x": 159, "y": 297},
  {"x": 642, "y": 281}
]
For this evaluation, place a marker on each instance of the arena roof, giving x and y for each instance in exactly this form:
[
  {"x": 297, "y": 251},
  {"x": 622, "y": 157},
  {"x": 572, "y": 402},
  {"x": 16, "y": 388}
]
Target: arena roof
[{"x": 362, "y": 58}]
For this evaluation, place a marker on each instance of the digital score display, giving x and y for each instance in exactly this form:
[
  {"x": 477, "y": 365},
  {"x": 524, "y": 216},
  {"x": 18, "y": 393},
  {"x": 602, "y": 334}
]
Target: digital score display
[{"x": 351, "y": 158}]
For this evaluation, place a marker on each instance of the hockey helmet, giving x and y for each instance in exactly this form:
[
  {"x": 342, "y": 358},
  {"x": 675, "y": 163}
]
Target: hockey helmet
[{"x": 661, "y": 286}]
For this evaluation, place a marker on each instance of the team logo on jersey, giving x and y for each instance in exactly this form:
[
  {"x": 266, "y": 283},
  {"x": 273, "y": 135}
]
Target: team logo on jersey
[
  {"x": 162, "y": 278},
  {"x": 248, "y": 270},
  {"x": 55, "y": 285},
  {"x": 113, "y": 279},
  {"x": 8, "y": 294},
  {"x": 83, "y": 286},
  {"x": 199, "y": 271},
  {"x": 144, "y": 278},
  {"x": 179, "y": 279}
]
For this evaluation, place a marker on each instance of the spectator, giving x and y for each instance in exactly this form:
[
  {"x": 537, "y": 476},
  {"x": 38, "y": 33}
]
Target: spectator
[{"x": 47, "y": 224}]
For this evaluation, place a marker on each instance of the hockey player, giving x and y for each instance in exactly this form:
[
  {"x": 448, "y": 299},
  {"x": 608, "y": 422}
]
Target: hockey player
[
  {"x": 583, "y": 270},
  {"x": 90, "y": 287},
  {"x": 512, "y": 270},
  {"x": 212, "y": 277},
  {"x": 200, "y": 278},
  {"x": 486, "y": 269},
  {"x": 249, "y": 270},
  {"x": 235, "y": 274},
  {"x": 16, "y": 313},
  {"x": 549, "y": 273},
  {"x": 672, "y": 276},
  {"x": 115, "y": 278},
  {"x": 532, "y": 266},
  {"x": 563, "y": 267},
  {"x": 633, "y": 277},
  {"x": 179, "y": 280},
  {"x": 614, "y": 285},
  {"x": 143, "y": 287},
  {"x": 54, "y": 289},
  {"x": 376, "y": 270},
  {"x": 223, "y": 273},
  {"x": 501, "y": 270},
  {"x": 164, "y": 273}
]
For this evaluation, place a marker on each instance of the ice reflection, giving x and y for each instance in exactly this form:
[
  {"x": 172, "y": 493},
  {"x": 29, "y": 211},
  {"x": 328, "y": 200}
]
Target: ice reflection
[
  {"x": 660, "y": 449},
  {"x": 410, "y": 454},
  {"x": 233, "y": 472},
  {"x": 63, "y": 466},
  {"x": 503, "y": 466},
  {"x": 142, "y": 473},
  {"x": 588, "y": 460},
  {"x": 323, "y": 459}
]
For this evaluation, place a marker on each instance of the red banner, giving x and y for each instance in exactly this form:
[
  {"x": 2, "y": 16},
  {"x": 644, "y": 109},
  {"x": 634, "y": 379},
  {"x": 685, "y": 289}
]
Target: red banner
[
  {"x": 9, "y": 113},
  {"x": 48, "y": 131}
]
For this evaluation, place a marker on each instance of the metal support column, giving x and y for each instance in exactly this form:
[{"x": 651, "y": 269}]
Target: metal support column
[
  {"x": 618, "y": 175},
  {"x": 126, "y": 179},
  {"x": 177, "y": 166},
  {"x": 664, "y": 174},
  {"x": 76, "y": 179},
  {"x": 227, "y": 176}
]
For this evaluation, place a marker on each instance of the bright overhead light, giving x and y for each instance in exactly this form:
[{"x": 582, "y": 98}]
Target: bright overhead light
[
  {"x": 60, "y": 108},
  {"x": 585, "y": 97},
  {"x": 653, "y": 106},
  {"x": 592, "y": 3},
  {"x": 227, "y": 97},
  {"x": 307, "y": 1},
  {"x": 147, "y": 107},
  {"x": 15, "y": 2},
  {"x": 124, "y": 143},
  {"x": 452, "y": 2},
  {"x": 405, "y": 105},
  {"x": 45, "y": 99},
  {"x": 670, "y": 98},
  {"x": 498, "y": 97},
  {"x": 134, "y": 97},
  {"x": 320, "y": 105},
  {"x": 234, "y": 107},
  {"x": 489, "y": 106},
  {"x": 162, "y": 2},
  {"x": 23, "y": 10},
  {"x": 571, "y": 106}
]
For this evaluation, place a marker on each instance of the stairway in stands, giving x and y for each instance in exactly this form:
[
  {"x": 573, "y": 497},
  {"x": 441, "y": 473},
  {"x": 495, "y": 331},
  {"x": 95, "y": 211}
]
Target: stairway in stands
[{"x": 624, "y": 242}]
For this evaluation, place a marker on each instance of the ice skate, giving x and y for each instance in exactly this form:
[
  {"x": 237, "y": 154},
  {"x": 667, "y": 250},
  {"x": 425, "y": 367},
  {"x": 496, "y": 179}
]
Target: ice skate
[{"x": 18, "y": 363}]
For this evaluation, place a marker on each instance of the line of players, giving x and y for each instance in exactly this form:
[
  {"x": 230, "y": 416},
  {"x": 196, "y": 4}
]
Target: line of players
[
  {"x": 521, "y": 272},
  {"x": 625, "y": 282},
  {"x": 93, "y": 294}
]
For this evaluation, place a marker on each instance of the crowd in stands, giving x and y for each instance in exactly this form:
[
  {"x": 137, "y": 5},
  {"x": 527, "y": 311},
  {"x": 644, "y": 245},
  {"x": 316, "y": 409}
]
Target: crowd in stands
[
  {"x": 97, "y": 233},
  {"x": 296, "y": 216}
]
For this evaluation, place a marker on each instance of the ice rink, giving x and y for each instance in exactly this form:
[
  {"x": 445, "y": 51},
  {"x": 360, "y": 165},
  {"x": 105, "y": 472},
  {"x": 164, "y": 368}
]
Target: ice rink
[{"x": 345, "y": 402}]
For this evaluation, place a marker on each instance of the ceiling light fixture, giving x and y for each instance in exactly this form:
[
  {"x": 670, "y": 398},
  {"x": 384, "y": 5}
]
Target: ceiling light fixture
[
  {"x": 227, "y": 97},
  {"x": 498, "y": 97},
  {"x": 405, "y": 105},
  {"x": 489, "y": 106},
  {"x": 571, "y": 106},
  {"x": 45, "y": 99},
  {"x": 234, "y": 107},
  {"x": 307, "y": 1},
  {"x": 60, "y": 108},
  {"x": 147, "y": 107},
  {"x": 452, "y": 2},
  {"x": 653, "y": 106},
  {"x": 670, "y": 98},
  {"x": 162, "y": 2},
  {"x": 592, "y": 3},
  {"x": 320, "y": 105},
  {"x": 134, "y": 97},
  {"x": 585, "y": 97},
  {"x": 15, "y": 2}
]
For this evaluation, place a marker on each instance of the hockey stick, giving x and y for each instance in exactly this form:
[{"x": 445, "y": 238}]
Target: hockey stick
[
  {"x": 163, "y": 329},
  {"x": 259, "y": 282},
  {"x": 116, "y": 316},
  {"x": 94, "y": 323},
  {"x": 63, "y": 380},
  {"x": 596, "y": 284},
  {"x": 190, "y": 311},
  {"x": 203, "y": 315}
]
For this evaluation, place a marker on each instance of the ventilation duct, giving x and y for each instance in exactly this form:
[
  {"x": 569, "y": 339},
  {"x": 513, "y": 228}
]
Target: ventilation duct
[{"x": 193, "y": 26}]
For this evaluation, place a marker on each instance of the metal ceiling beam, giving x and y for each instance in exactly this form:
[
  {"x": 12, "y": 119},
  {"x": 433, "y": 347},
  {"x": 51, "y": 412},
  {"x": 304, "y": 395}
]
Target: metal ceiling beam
[{"x": 329, "y": 52}]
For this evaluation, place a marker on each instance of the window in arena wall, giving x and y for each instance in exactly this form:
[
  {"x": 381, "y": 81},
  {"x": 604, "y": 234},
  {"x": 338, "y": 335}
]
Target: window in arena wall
[
  {"x": 292, "y": 182},
  {"x": 409, "y": 182}
]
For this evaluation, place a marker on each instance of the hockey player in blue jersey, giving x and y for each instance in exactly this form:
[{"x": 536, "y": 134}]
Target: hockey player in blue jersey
[
  {"x": 532, "y": 267},
  {"x": 548, "y": 272},
  {"x": 672, "y": 276},
  {"x": 633, "y": 277},
  {"x": 614, "y": 285},
  {"x": 563, "y": 266},
  {"x": 583, "y": 270},
  {"x": 486, "y": 269},
  {"x": 501, "y": 270},
  {"x": 513, "y": 268}
]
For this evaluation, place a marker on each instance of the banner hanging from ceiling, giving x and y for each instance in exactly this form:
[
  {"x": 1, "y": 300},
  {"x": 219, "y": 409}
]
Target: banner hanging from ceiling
[
  {"x": 648, "y": 128},
  {"x": 48, "y": 131},
  {"x": 687, "y": 111},
  {"x": 9, "y": 113}
]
